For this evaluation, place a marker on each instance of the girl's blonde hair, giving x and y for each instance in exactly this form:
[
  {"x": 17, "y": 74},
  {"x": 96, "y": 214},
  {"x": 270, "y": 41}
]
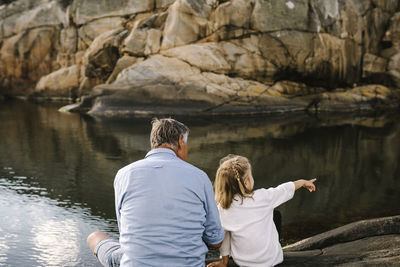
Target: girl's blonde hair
[{"x": 229, "y": 180}]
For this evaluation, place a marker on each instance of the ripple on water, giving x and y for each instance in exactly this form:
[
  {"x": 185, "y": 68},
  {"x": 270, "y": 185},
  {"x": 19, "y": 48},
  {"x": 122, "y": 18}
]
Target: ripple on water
[{"x": 38, "y": 231}]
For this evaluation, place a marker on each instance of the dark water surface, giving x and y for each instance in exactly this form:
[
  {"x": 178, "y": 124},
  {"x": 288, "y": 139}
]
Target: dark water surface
[{"x": 57, "y": 171}]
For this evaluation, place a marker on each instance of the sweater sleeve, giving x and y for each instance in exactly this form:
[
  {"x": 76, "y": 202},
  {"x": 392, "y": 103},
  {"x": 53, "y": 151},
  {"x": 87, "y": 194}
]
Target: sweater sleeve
[
  {"x": 280, "y": 194},
  {"x": 225, "y": 249}
]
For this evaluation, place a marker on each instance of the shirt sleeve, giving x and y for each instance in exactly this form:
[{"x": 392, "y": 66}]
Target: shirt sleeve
[
  {"x": 119, "y": 194},
  {"x": 225, "y": 249},
  {"x": 213, "y": 232},
  {"x": 280, "y": 194}
]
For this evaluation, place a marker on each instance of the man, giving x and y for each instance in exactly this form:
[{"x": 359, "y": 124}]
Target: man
[{"x": 166, "y": 212}]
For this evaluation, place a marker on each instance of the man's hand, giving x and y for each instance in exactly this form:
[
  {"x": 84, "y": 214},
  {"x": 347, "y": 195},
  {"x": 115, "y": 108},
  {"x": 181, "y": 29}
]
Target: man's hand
[
  {"x": 223, "y": 263},
  {"x": 217, "y": 264}
]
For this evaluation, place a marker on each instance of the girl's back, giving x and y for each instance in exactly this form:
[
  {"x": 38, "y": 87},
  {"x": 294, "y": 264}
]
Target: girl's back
[
  {"x": 254, "y": 240},
  {"x": 247, "y": 216}
]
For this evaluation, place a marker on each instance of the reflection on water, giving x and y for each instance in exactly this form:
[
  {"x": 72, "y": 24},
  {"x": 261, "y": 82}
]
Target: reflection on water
[
  {"x": 57, "y": 171},
  {"x": 38, "y": 231}
]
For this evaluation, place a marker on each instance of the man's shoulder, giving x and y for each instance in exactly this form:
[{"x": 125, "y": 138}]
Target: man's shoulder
[
  {"x": 195, "y": 171},
  {"x": 178, "y": 163},
  {"x": 190, "y": 167},
  {"x": 130, "y": 167}
]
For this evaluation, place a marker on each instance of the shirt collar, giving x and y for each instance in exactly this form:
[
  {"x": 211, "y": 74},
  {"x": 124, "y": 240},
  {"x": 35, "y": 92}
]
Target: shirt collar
[{"x": 159, "y": 151}]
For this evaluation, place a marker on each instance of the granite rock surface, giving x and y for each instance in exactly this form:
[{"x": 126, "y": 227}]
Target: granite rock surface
[{"x": 203, "y": 56}]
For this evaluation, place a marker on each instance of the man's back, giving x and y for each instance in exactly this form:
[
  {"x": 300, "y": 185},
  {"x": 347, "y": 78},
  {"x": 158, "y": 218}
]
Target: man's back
[{"x": 165, "y": 208}]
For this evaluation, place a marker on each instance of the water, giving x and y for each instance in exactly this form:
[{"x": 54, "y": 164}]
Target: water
[{"x": 57, "y": 171}]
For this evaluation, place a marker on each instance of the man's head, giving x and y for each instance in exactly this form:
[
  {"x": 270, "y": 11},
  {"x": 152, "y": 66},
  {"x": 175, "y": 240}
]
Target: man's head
[{"x": 170, "y": 133}]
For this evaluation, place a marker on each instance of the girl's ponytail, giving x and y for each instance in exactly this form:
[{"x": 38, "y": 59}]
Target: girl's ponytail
[
  {"x": 235, "y": 167},
  {"x": 229, "y": 180}
]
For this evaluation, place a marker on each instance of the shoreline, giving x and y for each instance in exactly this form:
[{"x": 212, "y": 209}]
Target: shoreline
[{"x": 184, "y": 110}]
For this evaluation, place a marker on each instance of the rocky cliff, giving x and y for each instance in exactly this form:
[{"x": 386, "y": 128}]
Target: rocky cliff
[{"x": 130, "y": 57}]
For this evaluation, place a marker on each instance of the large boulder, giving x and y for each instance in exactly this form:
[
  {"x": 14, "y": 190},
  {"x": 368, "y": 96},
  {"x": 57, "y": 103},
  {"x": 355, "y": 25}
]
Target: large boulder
[
  {"x": 27, "y": 57},
  {"x": 372, "y": 242},
  {"x": 369, "y": 251},
  {"x": 62, "y": 83},
  {"x": 145, "y": 36},
  {"x": 93, "y": 29},
  {"x": 270, "y": 16},
  {"x": 236, "y": 13},
  {"x": 122, "y": 63},
  {"x": 149, "y": 88},
  {"x": 85, "y": 11},
  {"x": 375, "y": 69},
  {"x": 102, "y": 55},
  {"x": 206, "y": 57},
  {"x": 29, "y": 33},
  {"x": 320, "y": 58},
  {"x": 22, "y": 15},
  {"x": 157, "y": 89},
  {"x": 358, "y": 99},
  {"x": 188, "y": 20},
  {"x": 350, "y": 232}
]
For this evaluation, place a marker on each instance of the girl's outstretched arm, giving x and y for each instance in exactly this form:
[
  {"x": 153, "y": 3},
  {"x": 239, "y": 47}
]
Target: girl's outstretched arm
[{"x": 309, "y": 184}]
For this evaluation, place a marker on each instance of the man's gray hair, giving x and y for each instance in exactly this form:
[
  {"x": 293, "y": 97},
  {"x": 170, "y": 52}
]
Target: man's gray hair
[{"x": 167, "y": 132}]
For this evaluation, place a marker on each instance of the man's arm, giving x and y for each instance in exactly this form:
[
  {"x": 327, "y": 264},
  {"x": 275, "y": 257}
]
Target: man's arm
[
  {"x": 225, "y": 250},
  {"x": 214, "y": 245},
  {"x": 213, "y": 233}
]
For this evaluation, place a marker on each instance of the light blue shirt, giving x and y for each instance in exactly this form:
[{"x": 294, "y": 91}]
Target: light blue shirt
[{"x": 165, "y": 209}]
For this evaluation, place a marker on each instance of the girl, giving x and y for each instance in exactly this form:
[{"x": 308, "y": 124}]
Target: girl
[{"x": 247, "y": 216}]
